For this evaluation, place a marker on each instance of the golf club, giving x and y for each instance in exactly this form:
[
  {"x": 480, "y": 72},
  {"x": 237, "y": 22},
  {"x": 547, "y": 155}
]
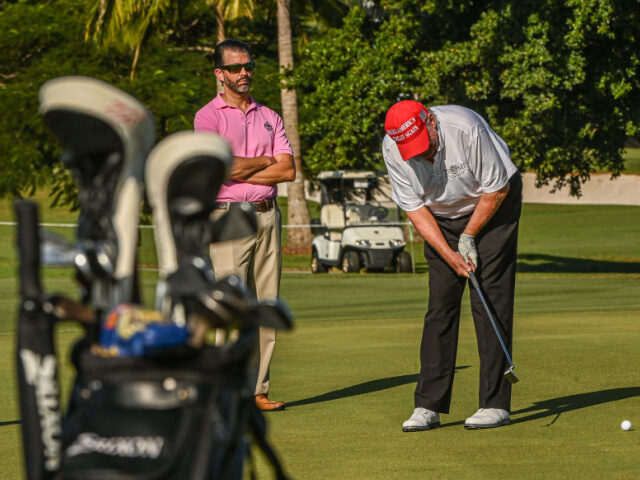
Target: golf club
[{"x": 510, "y": 374}]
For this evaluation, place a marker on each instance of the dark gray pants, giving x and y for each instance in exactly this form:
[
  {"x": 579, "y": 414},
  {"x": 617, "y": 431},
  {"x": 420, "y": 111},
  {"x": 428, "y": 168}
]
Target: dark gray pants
[{"x": 497, "y": 250}]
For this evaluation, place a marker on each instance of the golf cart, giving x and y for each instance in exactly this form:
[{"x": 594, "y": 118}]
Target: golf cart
[{"x": 355, "y": 229}]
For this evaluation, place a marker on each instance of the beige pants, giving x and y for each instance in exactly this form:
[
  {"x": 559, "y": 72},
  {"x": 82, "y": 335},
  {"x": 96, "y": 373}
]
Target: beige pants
[{"x": 258, "y": 261}]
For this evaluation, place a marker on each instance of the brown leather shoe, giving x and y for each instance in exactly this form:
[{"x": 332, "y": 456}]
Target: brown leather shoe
[{"x": 267, "y": 405}]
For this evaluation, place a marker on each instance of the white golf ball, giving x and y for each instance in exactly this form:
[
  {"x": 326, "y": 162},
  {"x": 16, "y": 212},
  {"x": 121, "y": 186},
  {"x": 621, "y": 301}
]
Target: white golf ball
[{"x": 626, "y": 425}]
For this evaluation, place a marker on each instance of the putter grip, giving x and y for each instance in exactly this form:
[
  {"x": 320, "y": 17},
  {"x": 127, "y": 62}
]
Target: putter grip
[
  {"x": 28, "y": 244},
  {"x": 474, "y": 280}
]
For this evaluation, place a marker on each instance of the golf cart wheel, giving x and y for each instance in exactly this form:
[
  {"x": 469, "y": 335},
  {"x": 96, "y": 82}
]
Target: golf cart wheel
[
  {"x": 316, "y": 265},
  {"x": 403, "y": 262},
  {"x": 351, "y": 262}
]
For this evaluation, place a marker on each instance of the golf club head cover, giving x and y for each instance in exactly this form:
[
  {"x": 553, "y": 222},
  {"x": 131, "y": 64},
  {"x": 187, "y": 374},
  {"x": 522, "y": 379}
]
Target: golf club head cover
[
  {"x": 132, "y": 330},
  {"x": 183, "y": 175},
  {"x": 106, "y": 134},
  {"x": 239, "y": 221}
]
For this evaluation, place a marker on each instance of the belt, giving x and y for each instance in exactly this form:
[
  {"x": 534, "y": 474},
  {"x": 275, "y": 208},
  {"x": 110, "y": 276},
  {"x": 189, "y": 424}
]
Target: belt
[{"x": 260, "y": 206}]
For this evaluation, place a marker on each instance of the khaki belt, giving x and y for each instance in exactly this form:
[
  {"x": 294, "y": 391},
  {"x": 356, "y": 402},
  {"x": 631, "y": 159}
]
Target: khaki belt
[{"x": 260, "y": 206}]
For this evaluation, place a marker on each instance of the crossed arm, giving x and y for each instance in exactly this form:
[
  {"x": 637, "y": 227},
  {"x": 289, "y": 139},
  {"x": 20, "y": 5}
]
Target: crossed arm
[
  {"x": 424, "y": 221},
  {"x": 264, "y": 170}
]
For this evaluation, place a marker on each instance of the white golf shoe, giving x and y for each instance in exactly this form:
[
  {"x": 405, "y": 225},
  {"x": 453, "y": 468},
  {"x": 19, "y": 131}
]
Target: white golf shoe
[
  {"x": 421, "y": 419},
  {"x": 487, "y": 418}
]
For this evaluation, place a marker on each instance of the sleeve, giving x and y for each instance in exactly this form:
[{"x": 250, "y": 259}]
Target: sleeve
[
  {"x": 401, "y": 190},
  {"x": 280, "y": 141},
  {"x": 205, "y": 121},
  {"x": 486, "y": 164}
]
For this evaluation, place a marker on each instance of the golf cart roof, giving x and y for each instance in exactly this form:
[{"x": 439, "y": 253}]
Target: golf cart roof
[
  {"x": 342, "y": 174},
  {"x": 340, "y": 186}
]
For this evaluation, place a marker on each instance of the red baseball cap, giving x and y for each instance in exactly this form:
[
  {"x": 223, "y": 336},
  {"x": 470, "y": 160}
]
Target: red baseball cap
[{"x": 406, "y": 125}]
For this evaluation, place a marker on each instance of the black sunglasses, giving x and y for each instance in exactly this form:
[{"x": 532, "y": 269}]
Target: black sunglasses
[{"x": 237, "y": 67}]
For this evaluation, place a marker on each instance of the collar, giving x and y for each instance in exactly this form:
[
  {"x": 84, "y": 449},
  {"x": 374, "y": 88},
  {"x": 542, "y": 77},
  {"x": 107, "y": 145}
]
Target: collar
[
  {"x": 219, "y": 103},
  {"x": 440, "y": 133}
]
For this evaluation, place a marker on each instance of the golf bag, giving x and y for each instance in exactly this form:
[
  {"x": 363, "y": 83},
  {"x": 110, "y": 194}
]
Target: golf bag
[{"x": 151, "y": 399}]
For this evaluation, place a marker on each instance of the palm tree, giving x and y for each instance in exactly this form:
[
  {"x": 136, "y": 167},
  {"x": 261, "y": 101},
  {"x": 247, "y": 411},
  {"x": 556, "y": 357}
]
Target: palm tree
[
  {"x": 298, "y": 236},
  {"x": 320, "y": 13},
  {"x": 125, "y": 23}
]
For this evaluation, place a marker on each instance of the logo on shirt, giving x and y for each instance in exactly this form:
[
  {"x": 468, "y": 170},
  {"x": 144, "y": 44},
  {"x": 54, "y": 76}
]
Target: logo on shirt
[
  {"x": 457, "y": 170},
  {"x": 268, "y": 126}
]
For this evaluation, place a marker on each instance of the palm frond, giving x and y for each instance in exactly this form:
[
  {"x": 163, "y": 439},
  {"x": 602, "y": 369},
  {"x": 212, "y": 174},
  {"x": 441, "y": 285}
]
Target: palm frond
[
  {"x": 124, "y": 23},
  {"x": 234, "y": 9}
]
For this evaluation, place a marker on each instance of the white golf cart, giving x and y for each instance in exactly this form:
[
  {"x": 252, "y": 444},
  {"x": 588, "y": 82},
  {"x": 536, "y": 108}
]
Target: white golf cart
[{"x": 355, "y": 230}]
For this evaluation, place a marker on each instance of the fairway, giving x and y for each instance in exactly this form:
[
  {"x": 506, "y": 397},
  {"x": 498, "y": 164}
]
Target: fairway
[{"x": 348, "y": 369}]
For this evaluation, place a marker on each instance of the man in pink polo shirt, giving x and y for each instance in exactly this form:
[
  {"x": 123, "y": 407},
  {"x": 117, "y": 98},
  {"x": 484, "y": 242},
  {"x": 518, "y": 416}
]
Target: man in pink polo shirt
[{"x": 262, "y": 158}]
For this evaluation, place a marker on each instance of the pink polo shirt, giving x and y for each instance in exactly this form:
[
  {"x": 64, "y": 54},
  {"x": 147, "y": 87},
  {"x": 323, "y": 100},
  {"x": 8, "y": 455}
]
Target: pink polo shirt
[{"x": 258, "y": 132}]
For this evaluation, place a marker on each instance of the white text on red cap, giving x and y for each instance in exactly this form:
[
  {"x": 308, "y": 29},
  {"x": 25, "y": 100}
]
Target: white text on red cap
[{"x": 403, "y": 127}]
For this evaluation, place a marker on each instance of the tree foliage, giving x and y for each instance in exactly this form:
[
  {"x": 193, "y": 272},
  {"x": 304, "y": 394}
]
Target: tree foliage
[
  {"x": 41, "y": 40},
  {"x": 127, "y": 24},
  {"x": 558, "y": 80},
  {"x": 33, "y": 48}
]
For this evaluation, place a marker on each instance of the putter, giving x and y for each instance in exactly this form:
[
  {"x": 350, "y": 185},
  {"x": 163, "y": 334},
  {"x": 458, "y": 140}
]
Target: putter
[{"x": 509, "y": 374}]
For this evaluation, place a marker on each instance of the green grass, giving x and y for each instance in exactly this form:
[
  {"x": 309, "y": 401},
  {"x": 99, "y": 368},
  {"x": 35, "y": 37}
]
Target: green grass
[
  {"x": 349, "y": 368},
  {"x": 559, "y": 238},
  {"x": 632, "y": 161},
  {"x": 575, "y": 238}
]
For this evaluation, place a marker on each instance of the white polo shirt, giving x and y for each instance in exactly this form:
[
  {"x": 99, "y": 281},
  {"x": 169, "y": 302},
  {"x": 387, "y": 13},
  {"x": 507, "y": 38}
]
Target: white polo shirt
[{"x": 471, "y": 160}]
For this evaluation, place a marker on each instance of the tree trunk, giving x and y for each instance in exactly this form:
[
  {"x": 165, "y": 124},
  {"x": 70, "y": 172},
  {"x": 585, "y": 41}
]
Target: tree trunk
[
  {"x": 221, "y": 37},
  {"x": 134, "y": 63},
  {"x": 298, "y": 238}
]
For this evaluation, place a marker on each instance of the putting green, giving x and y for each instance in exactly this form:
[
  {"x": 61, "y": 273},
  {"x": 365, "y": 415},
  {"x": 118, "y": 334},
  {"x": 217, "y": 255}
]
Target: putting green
[{"x": 348, "y": 370}]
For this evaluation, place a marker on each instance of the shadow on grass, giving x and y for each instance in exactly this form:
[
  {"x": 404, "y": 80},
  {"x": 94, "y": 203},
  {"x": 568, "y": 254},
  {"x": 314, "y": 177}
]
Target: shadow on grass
[
  {"x": 554, "y": 407},
  {"x": 362, "y": 388},
  {"x": 11, "y": 422},
  {"x": 557, "y": 406},
  {"x": 540, "y": 263},
  {"x": 543, "y": 263}
]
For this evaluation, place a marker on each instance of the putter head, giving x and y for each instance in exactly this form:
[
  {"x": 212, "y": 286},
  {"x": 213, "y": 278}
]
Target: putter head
[{"x": 511, "y": 376}]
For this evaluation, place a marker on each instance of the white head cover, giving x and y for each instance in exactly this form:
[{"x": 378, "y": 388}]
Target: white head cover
[
  {"x": 77, "y": 110},
  {"x": 171, "y": 153}
]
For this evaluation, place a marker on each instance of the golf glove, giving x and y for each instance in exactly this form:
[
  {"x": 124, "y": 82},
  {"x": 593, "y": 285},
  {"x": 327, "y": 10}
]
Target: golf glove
[{"x": 467, "y": 248}]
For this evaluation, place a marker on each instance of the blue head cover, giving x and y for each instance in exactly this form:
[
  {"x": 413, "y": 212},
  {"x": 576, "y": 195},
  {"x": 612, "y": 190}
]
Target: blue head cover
[{"x": 130, "y": 330}]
